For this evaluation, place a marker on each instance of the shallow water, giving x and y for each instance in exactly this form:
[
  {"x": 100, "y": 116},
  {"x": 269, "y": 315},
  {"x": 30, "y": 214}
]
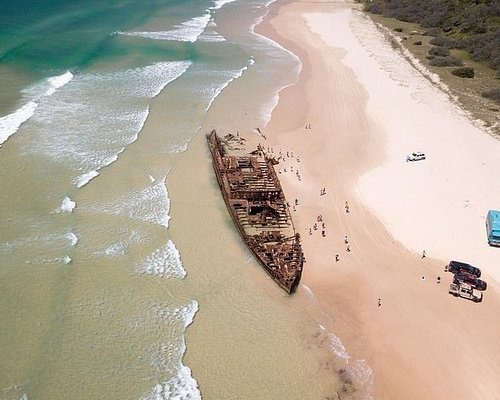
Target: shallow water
[{"x": 98, "y": 286}]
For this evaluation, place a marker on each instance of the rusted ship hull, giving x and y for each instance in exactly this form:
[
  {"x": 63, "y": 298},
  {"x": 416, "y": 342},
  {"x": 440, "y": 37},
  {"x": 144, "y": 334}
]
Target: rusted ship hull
[{"x": 256, "y": 203}]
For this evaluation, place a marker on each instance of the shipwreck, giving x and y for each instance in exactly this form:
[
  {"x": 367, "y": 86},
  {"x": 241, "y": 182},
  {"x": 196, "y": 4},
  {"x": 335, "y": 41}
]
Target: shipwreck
[{"x": 257, "y": 205}]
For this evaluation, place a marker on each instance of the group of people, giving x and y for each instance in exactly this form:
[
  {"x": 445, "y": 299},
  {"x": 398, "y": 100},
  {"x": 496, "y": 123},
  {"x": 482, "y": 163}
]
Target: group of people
[
  {"x": 289, "y": 154},
  {"x": 319, "y": 219}
]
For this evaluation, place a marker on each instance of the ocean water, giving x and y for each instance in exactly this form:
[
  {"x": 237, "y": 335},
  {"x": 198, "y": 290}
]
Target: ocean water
[{"x": 100, "y": 102}]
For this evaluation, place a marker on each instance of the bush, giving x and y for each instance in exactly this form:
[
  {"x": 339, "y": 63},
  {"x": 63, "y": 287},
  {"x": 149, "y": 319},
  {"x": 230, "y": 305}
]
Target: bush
[
  {"x": 464, "y": 72},
  {"x": 493, "y": 94},
  {"x": 374, "y": 8},
  {"x": 448, "y": 61},
  {"x": 472, "y": 23},
  {"x": 439, "y": 51},
  {"x": 459, "y": 44},
  {"x": 432, "y": 32},
  {"x": 398, "y": 29},
  {"x": 441, "y": 41},
  {"x": 418, "y": 43}
]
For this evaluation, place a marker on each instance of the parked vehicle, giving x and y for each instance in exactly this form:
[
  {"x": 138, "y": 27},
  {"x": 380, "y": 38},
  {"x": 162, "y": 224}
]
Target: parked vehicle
[
  {"x": 458, "y": 266},
  {"x": 462, "y": 277},
  {"x": 466, "y": 291},
  {"x": 493, "y": 227},
  {"x": 415, "y": 156}
]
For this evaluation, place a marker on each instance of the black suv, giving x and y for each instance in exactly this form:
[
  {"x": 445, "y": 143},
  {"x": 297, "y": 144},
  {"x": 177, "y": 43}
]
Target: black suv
[
  {"x": 470, "y": 279},
  {"x": 457, "y": 266}
]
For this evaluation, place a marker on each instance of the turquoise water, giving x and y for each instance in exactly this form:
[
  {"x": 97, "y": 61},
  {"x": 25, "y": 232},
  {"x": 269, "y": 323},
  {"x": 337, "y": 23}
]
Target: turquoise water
[{"x": 99, "y": 103}]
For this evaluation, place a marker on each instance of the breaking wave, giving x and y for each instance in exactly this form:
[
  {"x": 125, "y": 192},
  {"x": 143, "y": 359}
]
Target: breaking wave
[
  {"x": 164, "y": 262},
  {"x": 197, "y": 28},
  {"x": 215, "y": 90},
  {"x": 188, "y": 31},
  {"x": 11, "y": 123},
  {"x": 220, "y": 3},
  {"x": 89, "y": 124},
  {"x": 168, "y": 358}
]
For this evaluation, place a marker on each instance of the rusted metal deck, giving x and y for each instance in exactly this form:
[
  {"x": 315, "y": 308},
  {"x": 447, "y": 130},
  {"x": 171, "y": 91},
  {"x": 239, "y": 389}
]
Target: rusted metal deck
[{"x": 257, "y": 205}]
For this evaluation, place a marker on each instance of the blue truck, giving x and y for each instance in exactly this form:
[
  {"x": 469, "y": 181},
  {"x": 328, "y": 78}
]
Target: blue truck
[{"x": 493, "y": 227}]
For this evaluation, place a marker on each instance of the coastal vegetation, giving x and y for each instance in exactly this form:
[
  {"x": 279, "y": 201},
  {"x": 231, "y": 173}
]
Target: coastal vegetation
[
  {"x": 459, "y": 40},
  {"x": 470, "y": 25}
]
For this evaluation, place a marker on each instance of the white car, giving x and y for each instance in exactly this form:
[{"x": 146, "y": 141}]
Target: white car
[{"x": 415, "y": 156}]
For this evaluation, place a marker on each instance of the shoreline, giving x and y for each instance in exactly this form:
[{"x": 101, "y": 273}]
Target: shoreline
[{"x": 408, "y": 359}]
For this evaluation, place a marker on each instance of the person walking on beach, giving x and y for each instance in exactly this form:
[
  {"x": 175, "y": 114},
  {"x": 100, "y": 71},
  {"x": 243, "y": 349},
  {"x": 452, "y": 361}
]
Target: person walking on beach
[
  {"x": 347, "y": 207},
  {"x": 337, "y": 258},
  {"x": 346, "y": 240},
  {"x": 379, "y": 303},
  {"x": 423, "y": 254},
  {"x": 348, "y": 249}
]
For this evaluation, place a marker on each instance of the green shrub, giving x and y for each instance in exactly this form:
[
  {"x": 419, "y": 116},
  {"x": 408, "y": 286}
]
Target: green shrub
[
  {"x": 473, "y": 24},
  {"x": 418, "y": 43},
  {"x": 432, "y": 32},
  {"x": 439, "y": 51},
  {"x": 464, "y": 72},
  {"x": 441, "y": 41}
]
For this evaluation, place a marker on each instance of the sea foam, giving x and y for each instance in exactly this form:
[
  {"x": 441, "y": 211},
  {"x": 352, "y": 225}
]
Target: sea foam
[
  {"x": 220, "y": 3},
  {"x": 67, "y": 206},
  {"x": 168, "y": 358},
  {"x": 85, "y": 178},
  {"x": 88, "y": 125},
  {"x": 73, "y": 239},
  {"x": 358, "y": 370},
  {"x": 180, "y": 387},
  {"x": 164, "y": 262},
  {"x": 150, "y": 204}
]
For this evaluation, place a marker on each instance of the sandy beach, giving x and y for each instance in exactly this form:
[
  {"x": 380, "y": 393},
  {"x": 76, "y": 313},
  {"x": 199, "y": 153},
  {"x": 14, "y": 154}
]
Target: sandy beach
[{"x": 346, "y": 127}]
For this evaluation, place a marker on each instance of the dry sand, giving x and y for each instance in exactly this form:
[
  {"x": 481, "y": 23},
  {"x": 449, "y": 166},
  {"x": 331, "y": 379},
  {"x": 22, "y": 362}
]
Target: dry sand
[{"x": 367, "y": 110}]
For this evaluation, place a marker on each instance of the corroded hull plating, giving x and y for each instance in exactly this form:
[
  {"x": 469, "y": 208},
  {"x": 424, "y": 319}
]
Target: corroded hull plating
[{"x": 257, "y": 205}]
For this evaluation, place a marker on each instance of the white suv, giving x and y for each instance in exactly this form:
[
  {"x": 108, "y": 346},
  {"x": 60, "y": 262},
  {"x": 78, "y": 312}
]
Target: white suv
[{"x": 415, "y": 156}]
